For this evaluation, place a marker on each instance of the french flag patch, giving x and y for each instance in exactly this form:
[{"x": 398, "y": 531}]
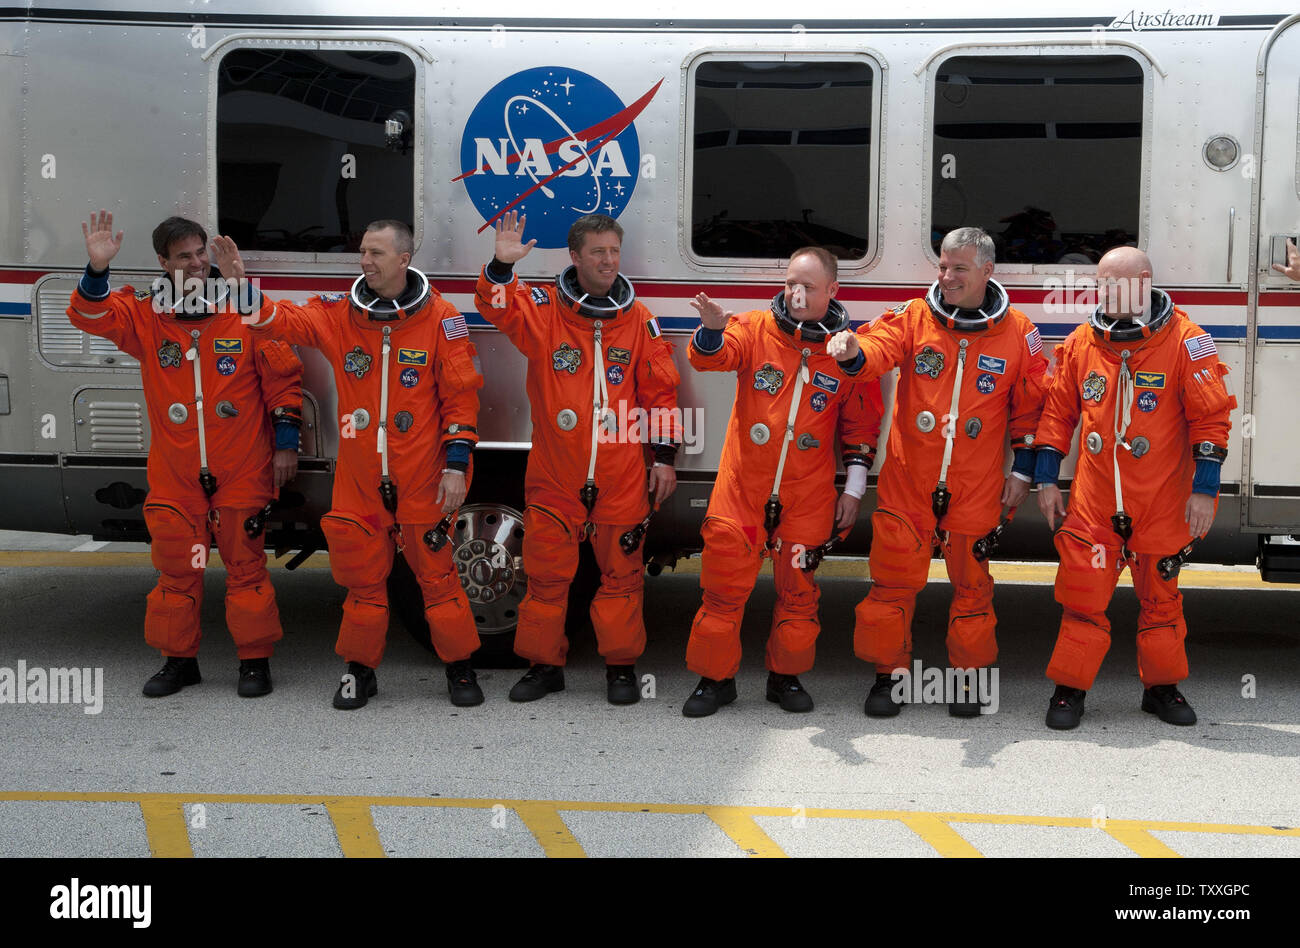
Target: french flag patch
[
  {"x": 1200, "y": 346},
  {"x": 1035, "y": 341},
  {"x": 453, "y": 327}
]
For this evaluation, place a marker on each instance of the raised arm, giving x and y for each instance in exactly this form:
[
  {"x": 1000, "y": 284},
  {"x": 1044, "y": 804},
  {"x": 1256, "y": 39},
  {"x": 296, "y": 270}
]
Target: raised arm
[
  {"x": 94, "y": 308},
  {"x": 499, "y": 296},
  {"x": 719, "y": 345}
]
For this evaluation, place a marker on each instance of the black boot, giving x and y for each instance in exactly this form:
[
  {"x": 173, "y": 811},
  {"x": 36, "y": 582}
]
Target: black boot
[
  {"x": 357, "y": 686},
  {"x": 1168, "y": 702},
  {"x": 787, "y": 690},
  {"x": 254, "y": 677},
  {"x": 709, "y": 695},
  {"x": 1066, "y": 708},
  {"x": 175, "y": 674},
  {"x": 621, "y": 685},
  {"x": 880, "y": 699},
  {"x": 538, "y": 682},
  {"x": 462, "y": 685},
  {"x": 965, "y": 705}
]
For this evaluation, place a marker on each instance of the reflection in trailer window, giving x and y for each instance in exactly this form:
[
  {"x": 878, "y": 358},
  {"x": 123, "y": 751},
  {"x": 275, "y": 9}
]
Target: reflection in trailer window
[
  {"x": 782, "y": 158},
  {"x": 303, "y": 158},
  {"x": 1043, "y": 152}
]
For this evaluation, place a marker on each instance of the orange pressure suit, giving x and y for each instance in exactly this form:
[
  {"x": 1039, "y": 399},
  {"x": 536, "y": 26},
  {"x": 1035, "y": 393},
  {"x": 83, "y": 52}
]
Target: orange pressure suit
[
  {"x": 212, "y": 391},
  {"x": 393, "y": 446},
  {"x": 1162, "y": 390},
  {"x": 785, "y": 382},
  {"x": 998, "y": 359},
  {"x": 581, "y": 362}
]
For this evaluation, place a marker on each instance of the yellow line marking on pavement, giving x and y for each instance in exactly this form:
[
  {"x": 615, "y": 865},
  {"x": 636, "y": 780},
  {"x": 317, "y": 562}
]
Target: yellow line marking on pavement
[
  {"x": 936, "y": 831},
  {"x": 1037, "y": 574},
  {"x": 1141, "y": 842},
  {"x": 355, "y": 829},
  {"x": 47, "y": 558},
  {"x": 1041, "y": 574},
  {"x": 164, "y": 817},
  {"x": 164, "y": 827},
  {"x": 549, "y": 829},
  {"x": 744, "y": 832}
]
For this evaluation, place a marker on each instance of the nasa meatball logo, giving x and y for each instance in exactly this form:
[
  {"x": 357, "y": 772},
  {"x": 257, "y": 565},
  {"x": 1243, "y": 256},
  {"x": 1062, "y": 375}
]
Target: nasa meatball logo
[
  {"x": 818, "y": 401},
  {"x": 554, "y": 143},
  {"x": 409, "y": 378},
  {"x": 615, "y": 375},
  {"x": 226, "y": 365},
  {"x": 986, "y": 383},
  {"x": 1147, "y": 401}
]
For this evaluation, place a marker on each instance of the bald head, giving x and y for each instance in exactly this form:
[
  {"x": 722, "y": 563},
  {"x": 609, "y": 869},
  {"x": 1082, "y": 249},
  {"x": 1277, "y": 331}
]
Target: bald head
[{"x": 1124, "y": 282}]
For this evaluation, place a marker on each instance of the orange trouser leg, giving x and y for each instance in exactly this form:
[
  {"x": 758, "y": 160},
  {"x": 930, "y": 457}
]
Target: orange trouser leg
[
  {"x": 616, "y": 609},
  {"x": 792, "y": 643},
  {"x": 1162, "y": 657},
  {"x": 728, "y": 570},
  {"x": 551, "y": 560},
  {"x": 972, "y": 624},
  {"x": 179, "y": 549},
  {"x": 900, "y": 565},
  {"x": 451, "y": 622},
  {"x": 251, "y": 613},
  {"x": 1085, "y": 581},
  {"x": 361, "y": 557}
]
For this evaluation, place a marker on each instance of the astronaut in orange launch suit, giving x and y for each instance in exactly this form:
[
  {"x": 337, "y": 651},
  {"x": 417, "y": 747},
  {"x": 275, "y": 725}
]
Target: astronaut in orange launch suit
[
  {"x": 408, "y": 380},
  {"x": 972, "y": 376},
  {"x": 588, "y": 342},
  {"x": 224, "y": 413},
  {"x": 775, "y": 490},
  {"x": 1145, "y": 386}
]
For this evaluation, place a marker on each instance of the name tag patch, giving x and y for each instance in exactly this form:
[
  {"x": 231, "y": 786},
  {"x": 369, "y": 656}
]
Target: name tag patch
[
  {"x": 826, "y": 382},
  {"x": 621, "y": 356},
  {"x": 412, "y": 357},
  {"x": 227, "y": 345},
  {"x": 988, "y": 363},
  {"x": 1148, "y": 380}
]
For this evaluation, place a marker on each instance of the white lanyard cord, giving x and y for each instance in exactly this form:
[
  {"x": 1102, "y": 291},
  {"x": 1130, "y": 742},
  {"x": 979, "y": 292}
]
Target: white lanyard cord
[
  {"x": 193, "y": 356},
  {"x": 801, "y": 378},
  {"x": 1123, "y": 417},
  {"x": 599, "y": 402},
  {"x": 950, "y": 423},
  {"x": 381, "y": 434}
]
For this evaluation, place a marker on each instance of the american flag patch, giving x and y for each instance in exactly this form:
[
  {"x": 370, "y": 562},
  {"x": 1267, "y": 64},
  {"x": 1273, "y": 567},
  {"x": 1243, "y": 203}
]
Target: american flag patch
[
  {"x": 1200, "y": 346},
  {"x": 454, "y": 327},
  {"x": 1035, "y": 341}
]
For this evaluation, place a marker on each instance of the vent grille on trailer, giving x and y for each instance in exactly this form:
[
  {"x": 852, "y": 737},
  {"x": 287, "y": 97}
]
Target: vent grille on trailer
[
  {"x": 111, "y": 421},
  {"x": 116, "y": 426},
  {"x": 62, "y": 343}
]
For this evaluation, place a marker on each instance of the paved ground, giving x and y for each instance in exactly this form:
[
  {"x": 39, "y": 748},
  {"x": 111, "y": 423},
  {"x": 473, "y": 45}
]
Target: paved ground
[{"x": 206, "y": 773}]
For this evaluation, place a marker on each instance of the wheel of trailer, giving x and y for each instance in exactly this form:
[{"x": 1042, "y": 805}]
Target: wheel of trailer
[{"x": 487, "y": 548}]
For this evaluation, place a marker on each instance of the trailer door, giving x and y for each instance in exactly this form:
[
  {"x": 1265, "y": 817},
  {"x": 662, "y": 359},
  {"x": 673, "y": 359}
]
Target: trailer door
[{"x": 1271, "y": 451}]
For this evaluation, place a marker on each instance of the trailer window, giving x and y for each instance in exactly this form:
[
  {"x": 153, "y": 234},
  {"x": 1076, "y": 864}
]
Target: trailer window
[
  {"x": 781, "y": 158},
  {"x": 1043, "y": 152},
  {"x": 304, "y": 158}
]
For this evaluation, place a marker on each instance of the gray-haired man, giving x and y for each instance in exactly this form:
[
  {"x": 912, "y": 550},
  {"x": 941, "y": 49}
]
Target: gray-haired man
[{"x": 972, "y": 376}]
